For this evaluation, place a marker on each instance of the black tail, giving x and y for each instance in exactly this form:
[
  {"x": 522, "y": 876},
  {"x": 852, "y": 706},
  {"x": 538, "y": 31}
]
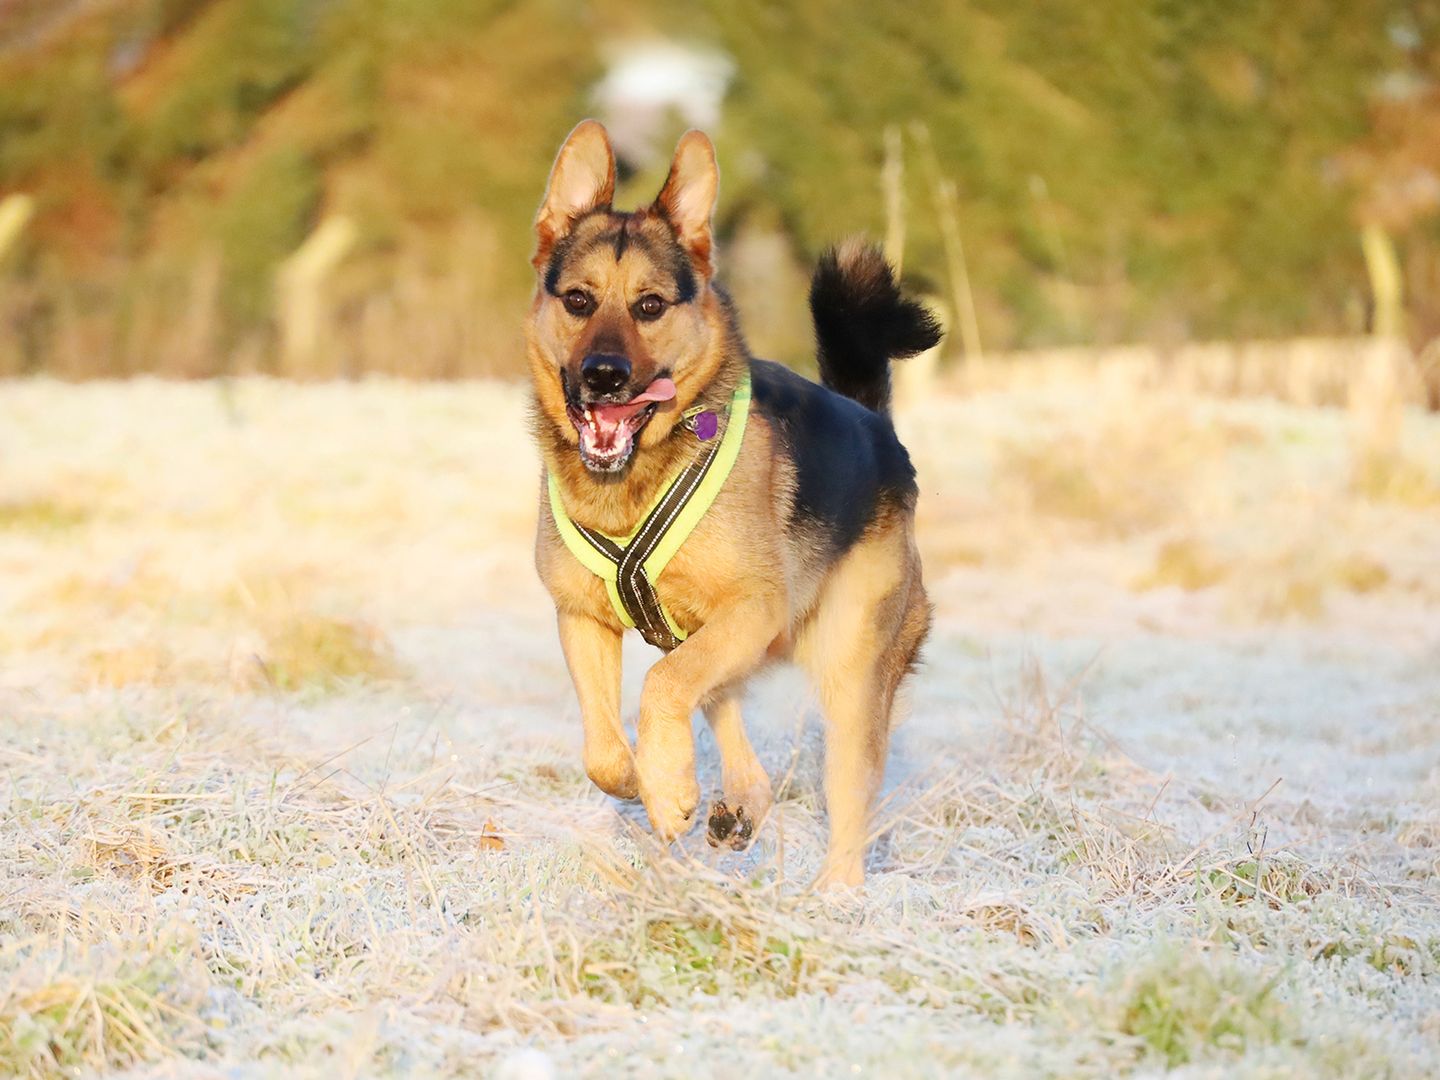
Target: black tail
[{"x": 863, "y": 321}]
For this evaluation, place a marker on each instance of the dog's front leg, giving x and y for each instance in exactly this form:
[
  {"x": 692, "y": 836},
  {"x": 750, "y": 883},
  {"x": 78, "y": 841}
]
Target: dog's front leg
[
  {"x": 592, "y": 652},
  {"x": 730, "y": 645}
]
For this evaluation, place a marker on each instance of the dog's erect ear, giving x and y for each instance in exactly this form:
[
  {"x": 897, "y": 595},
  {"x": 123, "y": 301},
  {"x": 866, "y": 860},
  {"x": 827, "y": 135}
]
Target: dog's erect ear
[
  {"x": 688, "y": 197},
  {"x": 582, "y": 178}
]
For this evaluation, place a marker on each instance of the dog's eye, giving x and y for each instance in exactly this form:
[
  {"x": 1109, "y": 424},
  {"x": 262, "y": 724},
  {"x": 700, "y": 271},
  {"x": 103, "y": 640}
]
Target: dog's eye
[
  {"x": 649, "y": 306},
  {"x": 578, "y": 302}
]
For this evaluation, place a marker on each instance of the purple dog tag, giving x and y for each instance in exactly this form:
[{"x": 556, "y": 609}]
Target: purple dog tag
[{"x": 706, "y": 424}]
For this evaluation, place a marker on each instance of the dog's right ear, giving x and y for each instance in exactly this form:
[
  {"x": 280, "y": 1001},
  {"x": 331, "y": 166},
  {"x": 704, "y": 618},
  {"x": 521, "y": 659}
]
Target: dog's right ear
[{"x": 582, "y": 178}]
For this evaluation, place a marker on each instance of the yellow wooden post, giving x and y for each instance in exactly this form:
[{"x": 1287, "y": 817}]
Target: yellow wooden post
[
  {"x": 1386, "y": 283},
  {"x": 300, "y": 300},
  {"x": 15, "y": 213}
]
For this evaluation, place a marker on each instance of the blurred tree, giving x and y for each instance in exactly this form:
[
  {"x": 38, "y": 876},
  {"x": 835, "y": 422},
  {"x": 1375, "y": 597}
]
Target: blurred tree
[{"x": 1163, "y": 169}]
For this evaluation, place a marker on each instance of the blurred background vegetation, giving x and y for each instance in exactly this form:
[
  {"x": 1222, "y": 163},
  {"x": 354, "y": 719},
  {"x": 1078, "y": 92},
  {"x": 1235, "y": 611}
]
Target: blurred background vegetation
[{"x": 1159, "y": 171}]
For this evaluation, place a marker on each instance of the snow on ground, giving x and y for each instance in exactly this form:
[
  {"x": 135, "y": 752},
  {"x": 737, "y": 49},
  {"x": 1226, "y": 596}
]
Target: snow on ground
[{"x": 292, "y": 780}]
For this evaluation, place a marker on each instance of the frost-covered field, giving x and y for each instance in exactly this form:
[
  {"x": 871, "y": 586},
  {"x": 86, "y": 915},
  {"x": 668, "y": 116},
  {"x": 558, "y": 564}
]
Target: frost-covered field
[{"x": 290, "y": 777}]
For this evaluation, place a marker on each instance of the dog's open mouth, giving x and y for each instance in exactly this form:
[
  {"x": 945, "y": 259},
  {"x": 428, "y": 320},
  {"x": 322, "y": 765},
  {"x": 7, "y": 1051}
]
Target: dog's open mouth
[{"x": 608, "y": 430}]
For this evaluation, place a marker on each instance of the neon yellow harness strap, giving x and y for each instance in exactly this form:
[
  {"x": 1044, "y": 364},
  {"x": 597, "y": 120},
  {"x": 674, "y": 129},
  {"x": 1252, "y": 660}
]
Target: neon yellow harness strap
[
  {"x": 694, "y": 508},
  {"x": 665, "y": 526},
  {"x": 589, "y": 557}
]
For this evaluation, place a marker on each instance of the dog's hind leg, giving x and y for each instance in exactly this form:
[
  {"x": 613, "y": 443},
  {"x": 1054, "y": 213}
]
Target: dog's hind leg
[
  {"x": 745, "y": 787},
  {"x": 859, "y": 645}
]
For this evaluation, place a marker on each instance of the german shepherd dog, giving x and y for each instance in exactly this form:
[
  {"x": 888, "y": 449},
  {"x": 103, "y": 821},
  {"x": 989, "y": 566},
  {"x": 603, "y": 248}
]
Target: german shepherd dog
[{"x": 807, "y": 550}]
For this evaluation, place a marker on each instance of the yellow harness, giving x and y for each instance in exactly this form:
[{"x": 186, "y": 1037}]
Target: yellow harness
[{"x": 630, "y": 565}]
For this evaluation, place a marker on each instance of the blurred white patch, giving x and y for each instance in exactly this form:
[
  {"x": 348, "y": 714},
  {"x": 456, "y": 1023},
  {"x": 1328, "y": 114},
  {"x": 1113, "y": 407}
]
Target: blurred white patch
[
  {"x": 648, "y": 81},
  {"x": 527, "y": 1064}
]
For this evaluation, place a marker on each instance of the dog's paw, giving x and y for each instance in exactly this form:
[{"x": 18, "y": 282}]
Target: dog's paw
[
  {"x": 840, "y": 875},
  {"x": 669, "y": 805},
  {"x": 671, "y": 819},
  {"x": 732, "y": 827},
  {"x": 613, "y": 773}
]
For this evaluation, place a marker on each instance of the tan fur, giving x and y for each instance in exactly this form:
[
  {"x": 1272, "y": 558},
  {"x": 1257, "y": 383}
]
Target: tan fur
[
  {"x": 857, "y": 647},
  {"x": 746, "y": 586},
  {"x": 743, "y": 781}
]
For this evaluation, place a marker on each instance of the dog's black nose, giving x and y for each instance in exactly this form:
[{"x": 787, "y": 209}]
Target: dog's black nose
[{"x": 604, "y": 373}]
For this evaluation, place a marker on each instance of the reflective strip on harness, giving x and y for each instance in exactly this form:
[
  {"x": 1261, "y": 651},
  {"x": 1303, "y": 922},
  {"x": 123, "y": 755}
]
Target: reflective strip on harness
[{"x": 630, "y": 566}]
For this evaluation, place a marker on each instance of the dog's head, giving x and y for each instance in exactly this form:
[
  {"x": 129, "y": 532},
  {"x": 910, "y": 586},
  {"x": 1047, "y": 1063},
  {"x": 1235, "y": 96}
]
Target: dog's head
[{"x": 623, "y": 333}]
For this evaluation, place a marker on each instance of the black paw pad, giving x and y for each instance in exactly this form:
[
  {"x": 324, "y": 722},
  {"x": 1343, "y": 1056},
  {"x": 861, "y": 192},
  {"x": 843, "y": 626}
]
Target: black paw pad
[{"x": 733, "y": 828}]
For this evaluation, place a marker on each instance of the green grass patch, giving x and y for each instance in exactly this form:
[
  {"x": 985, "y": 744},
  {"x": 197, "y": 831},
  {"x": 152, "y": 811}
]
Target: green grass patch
[
  {"x": 65, "y": 1010},
  {"x": 1393, "y": 952},
  {"x": 40, "y": 515},
  {"x": 1275, "y": 880},
  {"x": 1395, "y": 478},
  {"x": 1188, "y": 564},
  {"x": 664, "y": 960},
  {"x": 306, "y": 651},
  {"x": 1188, "y": 1006}
]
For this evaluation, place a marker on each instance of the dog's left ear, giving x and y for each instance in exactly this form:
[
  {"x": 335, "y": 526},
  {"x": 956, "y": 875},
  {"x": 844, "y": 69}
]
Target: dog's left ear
[
  {"x": 688, "y": 197},
  {"x": 582, "y": 178}
]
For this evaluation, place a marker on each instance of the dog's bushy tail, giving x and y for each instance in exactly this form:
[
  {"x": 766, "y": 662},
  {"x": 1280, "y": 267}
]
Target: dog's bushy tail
[{"x": 863, "y": 321}]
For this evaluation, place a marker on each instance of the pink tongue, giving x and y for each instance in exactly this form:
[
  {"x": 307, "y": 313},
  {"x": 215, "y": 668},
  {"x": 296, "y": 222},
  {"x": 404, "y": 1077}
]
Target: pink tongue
[
  {"x": 610, "y": 416},
  {"x": 659, "y": 390}
]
